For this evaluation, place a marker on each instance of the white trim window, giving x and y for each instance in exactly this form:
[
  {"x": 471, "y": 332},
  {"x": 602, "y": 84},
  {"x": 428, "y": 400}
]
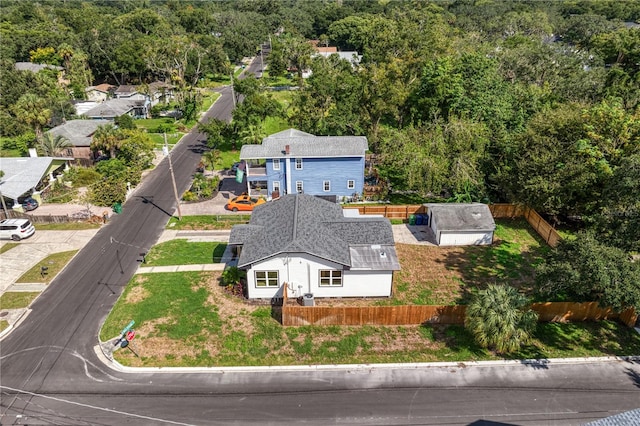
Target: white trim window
[
  {"x": 351, "y": 184},
  {"x": 326, "y": 186},
  {"x": 266, "y": 278},
  {"x": 276, "y": 164},
  {"x": 299, "y": 187},
  {"x": 276, "y": 185},
  {"x": 330, "y": 278},
  {"x": 298, "y": 163}
]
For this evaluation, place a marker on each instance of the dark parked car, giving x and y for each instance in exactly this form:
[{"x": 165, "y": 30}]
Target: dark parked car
[{"x": 29, "y": 204}]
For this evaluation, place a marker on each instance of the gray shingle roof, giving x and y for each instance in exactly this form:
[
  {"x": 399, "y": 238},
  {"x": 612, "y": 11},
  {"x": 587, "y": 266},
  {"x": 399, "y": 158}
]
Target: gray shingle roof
[
  {"x": 628, "y": 418},
  {"x": 305, "y": 145},
  {"x": 302, "y": 223},
  {"x": 22, "y": 174},
  {"x": 462, "y": 216},
  {"x": 78, "y": 132},
  {"x": 112, "y": 108},
  {"x": 35, "y": 68}
]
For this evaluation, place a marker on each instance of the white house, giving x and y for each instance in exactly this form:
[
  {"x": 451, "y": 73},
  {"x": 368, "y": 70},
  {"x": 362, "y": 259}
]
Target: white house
[
  {"x": 307, "y": 244},
  {"x": 460, "y": 224}
]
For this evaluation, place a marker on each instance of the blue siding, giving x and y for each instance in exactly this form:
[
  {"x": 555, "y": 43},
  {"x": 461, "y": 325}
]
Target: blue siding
[
  {"x": 276, "y": 175},
  {"x": 317, "y": 170}
]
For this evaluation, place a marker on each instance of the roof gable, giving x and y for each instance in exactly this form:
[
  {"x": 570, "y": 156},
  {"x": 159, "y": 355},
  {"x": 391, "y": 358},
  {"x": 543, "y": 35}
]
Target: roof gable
[
  {"x": 78, "y": 132},
  {"x": 21, "y": 174},
  {"x": 301, "y": 223}
]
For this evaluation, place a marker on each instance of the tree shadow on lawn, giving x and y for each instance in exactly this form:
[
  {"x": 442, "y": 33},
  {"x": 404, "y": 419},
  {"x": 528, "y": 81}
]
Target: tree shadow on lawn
[
  {"x": 458, "y": 339},
  {"x": 590, "y": 338},
  {"x": 510, "y": 260}
]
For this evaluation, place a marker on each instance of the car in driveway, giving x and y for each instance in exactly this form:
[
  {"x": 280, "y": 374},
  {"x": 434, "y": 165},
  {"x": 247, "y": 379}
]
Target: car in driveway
[
  {"x": 16, "y": 229},
  {"x": 243, "y": 203},
  {"x": 29, "y": 204}
]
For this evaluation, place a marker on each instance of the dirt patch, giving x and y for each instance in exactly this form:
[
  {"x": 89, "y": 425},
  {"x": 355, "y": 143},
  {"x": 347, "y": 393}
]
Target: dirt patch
[{"x": 138, "y": 293}]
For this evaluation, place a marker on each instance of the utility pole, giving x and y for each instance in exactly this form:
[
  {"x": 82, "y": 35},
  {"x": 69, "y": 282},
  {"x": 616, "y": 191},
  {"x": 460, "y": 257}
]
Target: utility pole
[{"x": 173, "y": 178}]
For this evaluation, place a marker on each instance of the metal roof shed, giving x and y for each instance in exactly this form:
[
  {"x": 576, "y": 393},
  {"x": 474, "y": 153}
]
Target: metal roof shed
[{"x": 460, "y": 224}]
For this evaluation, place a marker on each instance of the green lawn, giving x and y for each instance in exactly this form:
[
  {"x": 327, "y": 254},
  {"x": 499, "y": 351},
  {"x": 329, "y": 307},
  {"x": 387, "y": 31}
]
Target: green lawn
[
  {"x": 17, "y": 299},
  {"x": 182, "y": 252},
  {"x": 7, "y": 247},
  {"x": 208, "y": 222},
  {"x": 54, "y": 262},
  {"x": 64, "y": 226},
  {"x": 188, "y": 319}
]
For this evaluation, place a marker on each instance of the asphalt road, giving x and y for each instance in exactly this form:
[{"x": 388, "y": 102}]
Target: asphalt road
[{"x": 50, "y": 372}]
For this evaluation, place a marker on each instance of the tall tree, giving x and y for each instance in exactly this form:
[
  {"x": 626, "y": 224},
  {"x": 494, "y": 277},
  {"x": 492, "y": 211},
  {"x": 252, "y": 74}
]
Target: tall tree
[
  {"x": 584, "y": 269},
  {"x": 107, "y": 137},
  {"x": 33, "y": 110}
]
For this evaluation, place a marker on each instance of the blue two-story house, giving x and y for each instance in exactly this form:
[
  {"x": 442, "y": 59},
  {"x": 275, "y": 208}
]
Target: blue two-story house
[{"x": 295, "y": 162}]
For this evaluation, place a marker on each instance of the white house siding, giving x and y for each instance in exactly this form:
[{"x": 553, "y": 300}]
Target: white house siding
[
  {"x": 460, "y": 238},
  {"x": 302, "y": 272},
  {"x": 367, "y": 283}
]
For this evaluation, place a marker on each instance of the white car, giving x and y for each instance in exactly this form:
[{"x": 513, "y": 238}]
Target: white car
[{"x": 16, "y": 229}]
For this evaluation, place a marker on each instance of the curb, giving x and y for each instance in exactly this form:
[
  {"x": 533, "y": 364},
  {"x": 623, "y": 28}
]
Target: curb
[
  {"x": 4, "y": 333},
  {"x": 115, "y": 365}
]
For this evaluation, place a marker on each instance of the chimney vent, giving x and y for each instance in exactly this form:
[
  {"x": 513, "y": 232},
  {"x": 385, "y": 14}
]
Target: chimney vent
[{"x": 286, "y": 149}]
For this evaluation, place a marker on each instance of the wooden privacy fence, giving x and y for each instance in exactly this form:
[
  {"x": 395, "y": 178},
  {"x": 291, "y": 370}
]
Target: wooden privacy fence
[
  {"x": 391, "y": 212},
  {"x": 498, "y": 211},
  {"x": 425, "y": 314}
]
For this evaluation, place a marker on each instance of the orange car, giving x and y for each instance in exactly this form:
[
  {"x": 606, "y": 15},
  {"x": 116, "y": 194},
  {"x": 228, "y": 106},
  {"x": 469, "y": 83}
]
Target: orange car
[{"x": 244, "y": 203}]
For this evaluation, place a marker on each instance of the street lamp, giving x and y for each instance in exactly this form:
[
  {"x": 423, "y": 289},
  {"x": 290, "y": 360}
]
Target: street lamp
[{"x": 165, "y": 150}]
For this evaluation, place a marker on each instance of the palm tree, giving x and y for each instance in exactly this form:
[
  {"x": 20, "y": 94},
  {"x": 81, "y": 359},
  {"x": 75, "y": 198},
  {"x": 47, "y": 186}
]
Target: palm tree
[
  {"x": 499, "y": 318},
  {"x": 53, "y": 145},
  {"x": 253, "y": 134},
  {"x": 32, "y": 109},
  {"x": 107, "y": 137},
  {"x": 211, "y": 158}
]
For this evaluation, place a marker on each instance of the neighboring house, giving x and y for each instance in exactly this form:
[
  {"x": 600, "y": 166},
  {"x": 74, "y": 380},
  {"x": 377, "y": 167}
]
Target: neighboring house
[
  {"x": 129, "y": 92},
  {"x": 307, "y": 244},
  {"x": 160, "y": 92},
  {"x": 352, "y": 56},
  {"x": 80, "y": 134},
  {"x": 25, "y": 176},
  {"x": 460, "y": 224},
  {"x": 99, "y": 93},
  {"x": 292, "y": 161},
  {"x": 35, "y": 68},
  {"x": 112, "y": 108}
]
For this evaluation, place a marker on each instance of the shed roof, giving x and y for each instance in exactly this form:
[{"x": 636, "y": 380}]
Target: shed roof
[
  {"x": 302, "y": 223},
  {"x": 462, "y": 216},
  {"x": 305, "y": 145},
  {"x": 78, "y": 132},
  {"x": 22, "y": 174}
]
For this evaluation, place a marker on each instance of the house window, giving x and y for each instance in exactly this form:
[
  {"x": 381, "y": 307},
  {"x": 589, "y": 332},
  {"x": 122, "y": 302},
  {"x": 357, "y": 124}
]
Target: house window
[
  {"x": 69, "y": 152},
  {"x": 298, "y": 163},
  {"x": 276, "y": 185},
  {"x": 330, "y": 278},
  {"x": 351, "y": 184},
  {"x": 276, "y": 164},
  {"x": 299, "y": 188},
  {"x": 266, "y": 278},
  {"x": 326, "y": 185}
]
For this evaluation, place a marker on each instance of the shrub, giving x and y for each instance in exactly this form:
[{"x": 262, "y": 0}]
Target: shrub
[{"x": 499, "y": 318}]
